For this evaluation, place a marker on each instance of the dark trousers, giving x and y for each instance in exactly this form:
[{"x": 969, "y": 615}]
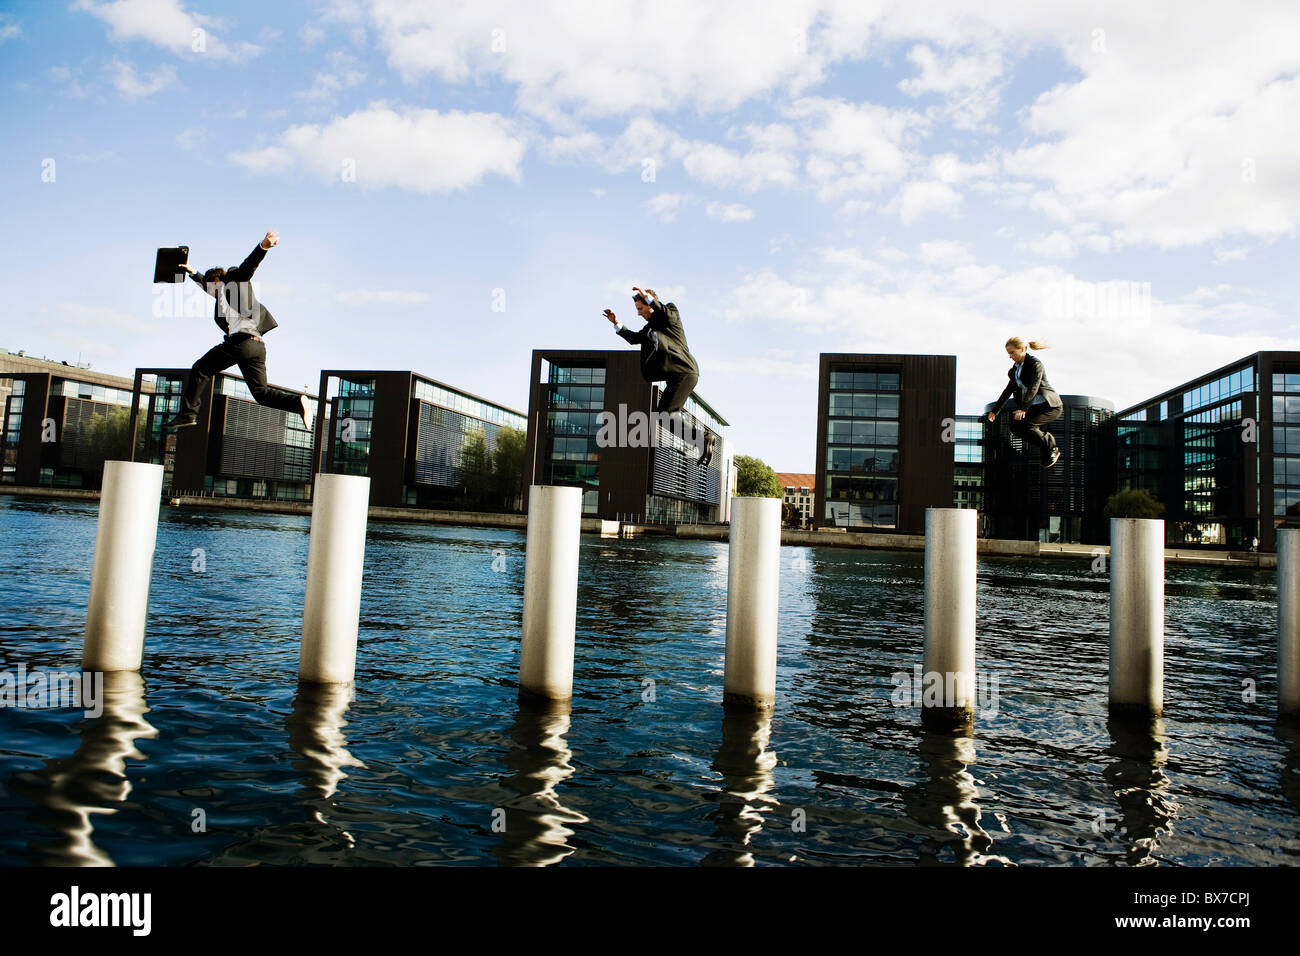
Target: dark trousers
[
  {"x": 1029, "y": 428},
  {"x": 250, "y": 355},
  {"x": 677, "y": 390}
]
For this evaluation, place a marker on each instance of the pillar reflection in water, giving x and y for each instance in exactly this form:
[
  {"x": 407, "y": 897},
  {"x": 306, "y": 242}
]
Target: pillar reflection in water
[
  {"x": 69, "y": 790},
  {"x": 944, "y": 802},
  {"x": 536, "y": 824},
  {"x": 745, "y": 763},
  {"x": 1288, "y": 735},
  {"x": 316, "y": 734},
  {"x": 1136, "y": 773}
]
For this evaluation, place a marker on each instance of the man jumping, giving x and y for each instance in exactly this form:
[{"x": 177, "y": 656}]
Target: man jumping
[
  {"x": 243, "y": 320},
  {"x": 665, "y": 356}
]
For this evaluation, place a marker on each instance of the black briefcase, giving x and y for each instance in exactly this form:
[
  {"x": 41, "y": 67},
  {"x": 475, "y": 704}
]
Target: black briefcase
[{"x": 168, "y": 267}]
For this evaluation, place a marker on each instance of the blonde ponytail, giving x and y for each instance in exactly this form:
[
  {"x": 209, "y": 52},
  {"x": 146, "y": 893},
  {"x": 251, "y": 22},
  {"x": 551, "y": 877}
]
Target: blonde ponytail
[{"x": 1016, "y": 342}]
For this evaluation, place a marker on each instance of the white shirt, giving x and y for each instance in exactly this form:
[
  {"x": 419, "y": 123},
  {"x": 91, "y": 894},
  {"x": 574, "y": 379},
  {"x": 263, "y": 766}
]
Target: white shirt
[
  {"x": 1039, "y": 399},
  {"x": 235, "y": 321}
]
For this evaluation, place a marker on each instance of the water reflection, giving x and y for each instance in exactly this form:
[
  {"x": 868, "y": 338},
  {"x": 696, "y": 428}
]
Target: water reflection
[
  {"x": 1136, "y": 773},
  {"x": 68, "y": 790},
  {"x": 1288, "y": 735},
  {"x": 536, "y": 824},
  {"x": 316, "y": 734},
  {"x": 944, "y": 802},
  {"x": 746, "y": 763}
]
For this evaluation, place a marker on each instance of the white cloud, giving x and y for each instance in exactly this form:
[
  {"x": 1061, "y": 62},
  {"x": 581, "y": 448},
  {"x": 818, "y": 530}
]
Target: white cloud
[
  {"x": 166, "y": 23},
  {"x": 422, "y": 151},
  {"x": 729, "y": 212},
  {"x": 966, "y": 82},
  {"x": 1056, "y": 245},
  {"x": 135, "y": 86},
  {"x": 665, "y": 206},
  {"x": 343, "y": 75},
  {"x": 9, "y": 28},
  {"x": 919, "y": 199},
  {"x": 194, "y": 138},
  {"x": 1229, "y": 255},
  {"x": 630, "y": 57}
]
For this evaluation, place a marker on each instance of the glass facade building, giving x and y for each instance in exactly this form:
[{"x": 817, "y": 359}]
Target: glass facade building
[
  {"x": 1065, "y": 503},
  {"x": 968, "y": 463},
  {"x": 881, "y": 453},
  {"x": 421, "y": 442},
  {"x": 57, "y": 428},
  {"x": 239, "y": 449},
  {"x": 1219, "y": 452},
  {"x": 647, "y": 471}
]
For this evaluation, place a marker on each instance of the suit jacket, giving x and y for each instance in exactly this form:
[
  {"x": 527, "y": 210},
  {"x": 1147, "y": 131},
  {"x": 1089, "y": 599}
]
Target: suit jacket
[
  {"x": 664, "y": 351},
  {"x": 1033, "y": 382},
  {"x": 238, "y": 294}
]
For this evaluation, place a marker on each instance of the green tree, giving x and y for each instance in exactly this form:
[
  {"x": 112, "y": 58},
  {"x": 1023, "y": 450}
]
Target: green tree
[
  {"x": 475, "y": 471},
  {"x": 756, "y": 479},
  {"x": 1133, "y": 503},
  {"x": 508, "y": 467},
  {"x": 108, "y": 438}
]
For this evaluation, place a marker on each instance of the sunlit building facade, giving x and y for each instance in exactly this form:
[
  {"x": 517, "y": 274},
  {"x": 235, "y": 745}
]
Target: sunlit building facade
[
  {"x": 54, "y": 418},
  {"x": 1221, "y": 452},
  {"x": 238, "y": 449},
  {"x": 654, "y": 477},
  {"x": 421, "y": 442}
]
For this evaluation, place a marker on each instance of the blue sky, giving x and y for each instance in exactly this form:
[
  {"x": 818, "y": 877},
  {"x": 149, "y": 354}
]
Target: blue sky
[{"x": 799, "y": 177}]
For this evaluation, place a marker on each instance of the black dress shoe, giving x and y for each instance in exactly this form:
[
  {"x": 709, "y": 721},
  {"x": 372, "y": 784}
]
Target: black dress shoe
[
  {"x": 182, "y": 421},
  {"x": 1056, "y": 456}
]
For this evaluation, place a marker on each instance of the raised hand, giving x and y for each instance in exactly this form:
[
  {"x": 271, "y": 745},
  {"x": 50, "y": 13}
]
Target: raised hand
[
  {"x": 271, "y": 239},
  {"x": 610, "y": 315}
]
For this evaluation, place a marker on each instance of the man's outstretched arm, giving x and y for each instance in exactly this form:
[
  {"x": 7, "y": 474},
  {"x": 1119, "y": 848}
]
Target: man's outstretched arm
[{"x": 246, "y": 268}]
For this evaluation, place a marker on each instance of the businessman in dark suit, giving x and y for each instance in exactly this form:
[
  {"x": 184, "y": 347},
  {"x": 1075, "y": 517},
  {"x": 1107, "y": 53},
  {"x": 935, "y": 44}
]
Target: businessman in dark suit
[
  {"x": 665, "y": 356},
  {"x": 244, "y": 320},
  {"x": 1037, "y": 402}
]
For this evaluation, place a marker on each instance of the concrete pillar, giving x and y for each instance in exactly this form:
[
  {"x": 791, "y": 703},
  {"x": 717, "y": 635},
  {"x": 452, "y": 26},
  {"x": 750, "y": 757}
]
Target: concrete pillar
[
  {"x": 335, "y": 557},
  {"x": 1137, "y": 615},
  {"x": 550, "y": 593},
  {"x": 125, "y": 537},
  {"x": 949, "y": 655},
  {"x": 1288, "y": 622},
  {"x": 753, "y": 589}
]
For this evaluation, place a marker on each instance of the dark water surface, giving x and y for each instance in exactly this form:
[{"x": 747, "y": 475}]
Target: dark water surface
[{"x": 432, "y": 761}]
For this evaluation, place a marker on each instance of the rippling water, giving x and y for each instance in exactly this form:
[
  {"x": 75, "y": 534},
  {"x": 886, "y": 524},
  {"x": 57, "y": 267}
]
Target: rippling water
[{"x": 216, "y": 756}]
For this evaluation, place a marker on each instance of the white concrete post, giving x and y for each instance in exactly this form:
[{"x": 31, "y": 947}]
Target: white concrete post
[
  {"x": 950, "y": 572},
  {"x": 1137, "y": 615},
  {"x": 550, "y": 592},
  {"x": 1288, "y": 621},
  {"x": 753, "y": 589},
  {"x": 335, "y": 557},
  {"x": 125, "y": 537}
]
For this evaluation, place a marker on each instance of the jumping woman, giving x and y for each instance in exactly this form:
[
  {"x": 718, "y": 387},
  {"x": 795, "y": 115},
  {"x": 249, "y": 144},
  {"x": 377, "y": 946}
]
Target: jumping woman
[{"x": 1037, "y": 402}]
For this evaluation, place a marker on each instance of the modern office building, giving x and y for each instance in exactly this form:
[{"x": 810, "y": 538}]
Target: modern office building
[
  {"x": 1221, "y": 452},
  {"x": 882, "y": 453},
  {"x": 422, "y": 443},
  {"x": 591, "y": 427},
  {"x": 968, "y": 464},
  {"x": 238, "y": 449},
  {"x": 51, "y": 414},
  {"x": 1065, "y": 503},
  {"x": 798, "y": 491}
]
